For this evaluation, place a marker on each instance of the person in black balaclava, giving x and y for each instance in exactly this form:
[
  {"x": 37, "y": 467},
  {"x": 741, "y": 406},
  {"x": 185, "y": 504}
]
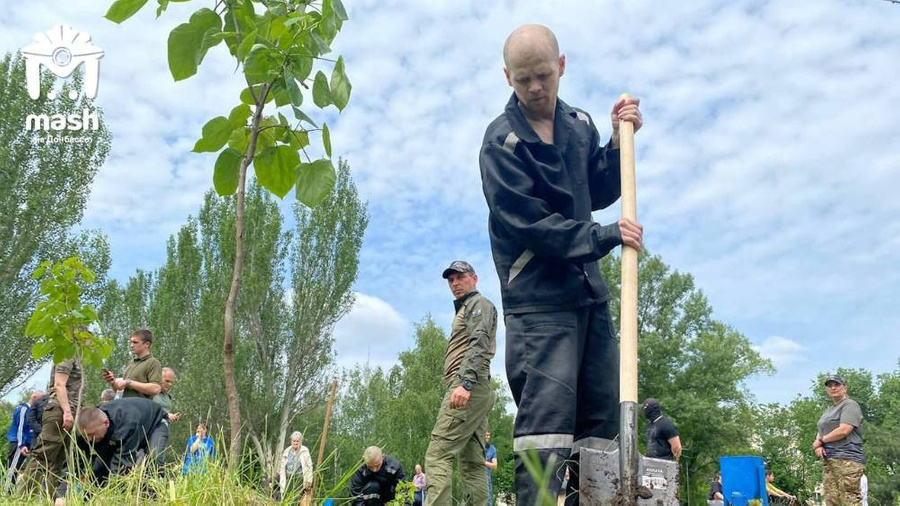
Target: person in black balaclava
[{"x": 662, "y": 437}]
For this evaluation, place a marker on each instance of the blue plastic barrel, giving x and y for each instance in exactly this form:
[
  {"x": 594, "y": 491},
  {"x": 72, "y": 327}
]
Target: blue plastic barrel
[{"x": 743, "y": 479}]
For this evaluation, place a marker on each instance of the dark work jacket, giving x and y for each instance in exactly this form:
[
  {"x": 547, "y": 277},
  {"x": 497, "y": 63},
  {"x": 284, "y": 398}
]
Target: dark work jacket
[
  {"x": 386, "y": 479},
  {"x": 131, "y": 421},
  {"x": 540, "y": 197}
]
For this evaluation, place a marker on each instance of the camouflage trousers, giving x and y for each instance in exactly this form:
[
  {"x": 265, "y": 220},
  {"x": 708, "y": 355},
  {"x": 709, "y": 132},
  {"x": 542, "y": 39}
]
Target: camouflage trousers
[
  {"x": 842, "y": 482},
  {"x": 459, "y": 435},
  {"x": 46, "y": 464}
]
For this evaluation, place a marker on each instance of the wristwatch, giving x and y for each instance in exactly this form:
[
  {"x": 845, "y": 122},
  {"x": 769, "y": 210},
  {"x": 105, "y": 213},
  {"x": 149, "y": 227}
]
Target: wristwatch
[{"x": 467, "y": 384}]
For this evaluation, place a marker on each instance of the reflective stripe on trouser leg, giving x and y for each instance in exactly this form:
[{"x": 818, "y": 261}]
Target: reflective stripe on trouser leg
[
  {"x": 597, "y": 411},
  {"x": 542, "y": 368}
]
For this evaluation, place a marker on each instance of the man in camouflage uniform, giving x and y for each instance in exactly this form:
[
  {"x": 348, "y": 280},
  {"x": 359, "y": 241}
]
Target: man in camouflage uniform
[
  {"x": 49, "y": 455},
  {"x": 462, "y": 420}
]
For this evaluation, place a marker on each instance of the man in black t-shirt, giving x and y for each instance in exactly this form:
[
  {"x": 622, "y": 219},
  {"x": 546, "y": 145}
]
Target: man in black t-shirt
[{"x": 662, "y": 437}]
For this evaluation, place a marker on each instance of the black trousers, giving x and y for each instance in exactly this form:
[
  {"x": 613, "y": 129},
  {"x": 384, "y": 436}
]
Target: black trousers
[{"x": 563, "y": 370}]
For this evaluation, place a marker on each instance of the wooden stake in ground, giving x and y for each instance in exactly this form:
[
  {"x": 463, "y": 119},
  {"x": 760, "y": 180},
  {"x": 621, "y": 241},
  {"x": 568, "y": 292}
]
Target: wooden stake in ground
[
  {"x": 325, "y": 431},
  {"x": 628, "y": 379}
]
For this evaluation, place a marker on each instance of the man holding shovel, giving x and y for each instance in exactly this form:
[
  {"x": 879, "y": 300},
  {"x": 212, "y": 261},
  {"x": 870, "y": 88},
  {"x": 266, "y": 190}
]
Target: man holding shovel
[{"x": 543, "y": 172}]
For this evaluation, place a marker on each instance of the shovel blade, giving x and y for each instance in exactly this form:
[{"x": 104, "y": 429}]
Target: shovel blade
[{"x": 598, "y": 480}]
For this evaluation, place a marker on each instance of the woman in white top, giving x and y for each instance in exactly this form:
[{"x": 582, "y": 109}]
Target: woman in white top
[{"x": 296, "y": 469}]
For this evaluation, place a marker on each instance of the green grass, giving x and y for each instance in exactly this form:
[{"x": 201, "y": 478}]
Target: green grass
[{"x": 218, "y": 486}]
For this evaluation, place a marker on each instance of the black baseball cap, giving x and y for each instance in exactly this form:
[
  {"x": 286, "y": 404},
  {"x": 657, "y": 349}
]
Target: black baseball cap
[
  {"x": 650, "y": 403},
  {"x": 459, "y": 266},
  {"x": 835, "y": 378}
]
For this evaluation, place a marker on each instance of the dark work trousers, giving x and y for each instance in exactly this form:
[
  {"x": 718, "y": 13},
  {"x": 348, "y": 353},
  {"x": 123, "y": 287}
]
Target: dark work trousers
[
  {"x": 563, "y": 370},
  {"x": 162, "y": 444}
]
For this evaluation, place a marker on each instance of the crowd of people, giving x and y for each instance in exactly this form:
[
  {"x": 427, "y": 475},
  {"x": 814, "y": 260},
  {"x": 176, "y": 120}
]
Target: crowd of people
[
  {"x": 129, "y": 424},
  {"x": 544, "y": 171}
]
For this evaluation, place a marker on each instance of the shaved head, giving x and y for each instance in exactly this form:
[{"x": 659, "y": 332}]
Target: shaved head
[
  {"x": 530, "y": 40},
  {"x": 533, "y": 66}
]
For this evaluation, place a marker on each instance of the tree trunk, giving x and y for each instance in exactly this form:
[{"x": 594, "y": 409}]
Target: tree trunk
[
  {"x": 234, "y": 407},
  {"x": 265, "y": 455}
]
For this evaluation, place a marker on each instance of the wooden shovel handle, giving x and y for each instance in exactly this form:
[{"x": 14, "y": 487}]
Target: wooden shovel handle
[{"x": 628, "y": 379}]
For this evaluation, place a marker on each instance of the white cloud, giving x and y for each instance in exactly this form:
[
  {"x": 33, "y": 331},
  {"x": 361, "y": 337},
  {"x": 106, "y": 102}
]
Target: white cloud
[
  {"x": 781, "y": 351},
  {"x": 767, "y": 167},
  {"x": 372, "y": 332}
]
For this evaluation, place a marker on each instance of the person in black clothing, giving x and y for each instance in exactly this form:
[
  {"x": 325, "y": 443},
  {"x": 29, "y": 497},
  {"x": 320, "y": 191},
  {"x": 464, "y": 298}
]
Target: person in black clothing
[
  {"x": 122, "y": 432},
  {"x": 544, "y": 169},
  {"x": 35, "y": 415},
  {"x": 375, "y": 482},
  {"x": 662, "y": 437}
]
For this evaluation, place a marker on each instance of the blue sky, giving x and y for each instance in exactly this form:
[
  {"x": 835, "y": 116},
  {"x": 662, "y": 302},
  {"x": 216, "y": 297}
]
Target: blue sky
[{"x": 767, "y": 167}]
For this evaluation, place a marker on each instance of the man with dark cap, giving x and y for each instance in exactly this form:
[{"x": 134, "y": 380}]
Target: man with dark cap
[
  {"x": 662, "y": 437},
  {"x": 839, "y": 443},
  {"x": 543, "y": 171},
  {"x": 462, "y": 420}
]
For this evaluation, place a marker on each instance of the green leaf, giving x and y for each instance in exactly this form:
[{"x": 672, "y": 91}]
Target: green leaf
[
  {"x": 188, "y": 43},
  {"x": 239, "y": 140},
  {"x": 227, "y": 171},
  {"x": 261, "y": 65},
  {"x": 39, "y": 272},
  {"x": 163, "y": 5},
  {"x": 88, "y": 275},
  {"x": 321, "y": 92},
  {"x": 121, "y": 10},
  {"x": 326, "y": 139},
  {"x": 215, "y": 134},
  {"x": 301, "y": 66},
  {"x": 340, "y": 85},
  {"x": 239, "y": 115},
  {"x": 90, "y": 313},
  {"x": 245, "y": 45},
  {"x": 280, "y": 93},
  {"x": 41, "y": 349},
  {"x": 211, "y": 38},
  {"x": 297, "y": 139},
  {"x": 267, "y": 136},
  {"x": 339, "y": 10},
  {"x": 300, "y": 115},
  {"x": 247, "y": 98},
  {"x": 205, "y": 18},
  {"x": 276, "y": 169},
  {"x": 315, "y": 182},
  {"x": 292, "y": 89},
  {"x": 40, "y": 324},
  {"x": 63, "y": 351},
  {"x": 293, "y": 19}
]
